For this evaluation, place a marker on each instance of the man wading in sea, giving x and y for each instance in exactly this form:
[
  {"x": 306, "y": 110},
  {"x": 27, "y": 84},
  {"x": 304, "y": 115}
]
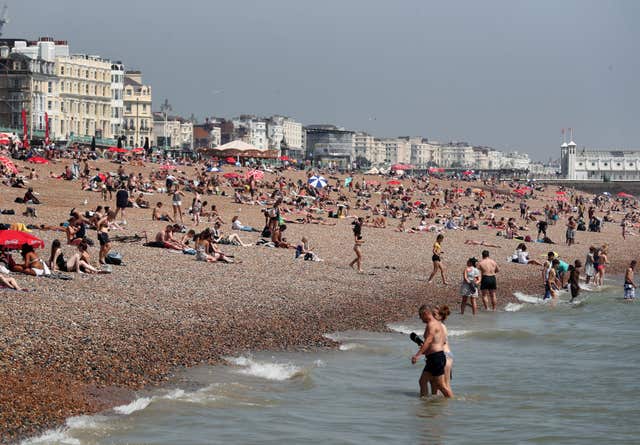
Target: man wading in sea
[
  {"x": 629, "y": 284},
  {"x": 433, "y": 349},
  {"x": 488, "y": 268}
]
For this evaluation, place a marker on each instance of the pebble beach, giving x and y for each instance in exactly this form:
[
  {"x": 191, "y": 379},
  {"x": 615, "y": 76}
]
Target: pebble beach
[{"x": 85, "y": 345}]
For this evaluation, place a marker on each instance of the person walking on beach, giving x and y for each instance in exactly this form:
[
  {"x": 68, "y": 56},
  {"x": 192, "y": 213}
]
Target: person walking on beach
[
  {"x": 629, "y": 283},
  {"x": 358, "y": 241},
  {"x": 436, "y": 258},
  {"x": 176, "y": 202},
  {"x": 122, "y": 201},
  {"x": 571, "y": 231},
  {"x": 488, "y": 285},
  {"x": 433, "y": 350},
  {"x": 589, "y": 269},
  {"x": 469, "y": 287}
]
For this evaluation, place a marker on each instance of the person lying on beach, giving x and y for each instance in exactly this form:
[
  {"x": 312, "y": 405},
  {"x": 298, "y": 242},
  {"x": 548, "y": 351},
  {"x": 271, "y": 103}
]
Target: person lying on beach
[
  {"x": 141, "y": 202},
  {"x": 521, "y": 256},
  {"x": 232, "y": 238},
  {"x": 76, "y": 263},
  {"x": 237, "y": 225},
  {"x": 278, "y": 240},
  {"x": 158, "y": 215},
  {"x": 32, "y": 265},
  {"x": 6, "y": 281},
  {"x": 166, "y": 239},
  {"x": 481, "y": 243}
]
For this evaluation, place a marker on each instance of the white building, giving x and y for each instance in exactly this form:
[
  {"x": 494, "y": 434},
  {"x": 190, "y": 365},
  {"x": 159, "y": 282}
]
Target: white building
[
  {"x": 599, "y": 165},
  {"x": 456, "y": 155},
  {"x": 424, "y": 154},
  {"x": 397, "y": 151},
  {"x": 173, "y": 134},
  {"x": 117, "y": 99}
]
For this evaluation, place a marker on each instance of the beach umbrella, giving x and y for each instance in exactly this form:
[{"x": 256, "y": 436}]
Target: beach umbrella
[
  {"x": 317, "y": 182},
  {"x": 9, "y": 164},
  {"x": 37, "y": 160},
  {"x": 606, "y": 193},
  {"x": 102, "y": 177},
  {"x": 93, "y": 143},
  {"x": 138, "y": 150},
  {"x": 165, "y": 167},
  {"x": 394, "y": 182},
  {"x": 5, "y": 141},
  {"x": 401, "y": 167},
  {"x": 258, "y": 175},
  {"x": 560, "y": 193},
  {"x": 117, "y": 150},
  {"x": 624, "y": 195},
  {"x": 284, "y": 158},
  {"x": 231, "y": 160},
  {"x": 231, "y": 175},
  {"x": 520, "y": 191},
  {"x": 14, "y": 239},
  {"x": 213, "y": 170},
  {"x": 467, "y": 172}
]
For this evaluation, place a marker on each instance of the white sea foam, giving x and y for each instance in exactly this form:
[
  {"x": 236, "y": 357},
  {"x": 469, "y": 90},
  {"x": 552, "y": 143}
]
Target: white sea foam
[
  {"x": 266, "y": 370},
  {"x": 458, "y": 332},
  {"x": 402, "y": 328},
  {"x": 57, "y": 436},
  {"x": 136, "y": 405},
  {"x": 513, "y": 307},
  {"x": 349, "y": 346},
  {"x": 527, "y": 298}
]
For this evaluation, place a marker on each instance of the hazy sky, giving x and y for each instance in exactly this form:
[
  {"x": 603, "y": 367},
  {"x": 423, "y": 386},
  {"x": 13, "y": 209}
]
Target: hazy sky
[{"x": 504, "y": 73}]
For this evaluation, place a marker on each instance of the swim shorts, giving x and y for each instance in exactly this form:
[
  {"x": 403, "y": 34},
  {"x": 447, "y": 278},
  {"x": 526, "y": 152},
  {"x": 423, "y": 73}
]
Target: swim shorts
[
  {"x": 103, "y": 238},
  {"x": 488, "y": 282},
  {"x": 435, "y": 258},
  {"x": 436, "y": 362},
  {"x": 629, "y": 292},
  {"x": 547, "y": 291}
]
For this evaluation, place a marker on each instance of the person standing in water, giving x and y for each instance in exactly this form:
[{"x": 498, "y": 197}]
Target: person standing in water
[
  {"x": 433, "y": 350},
  {"x": 469, "y": 287},
  {"x": 436, "y": 258},
  {"x": 488, "y": 285},
  {"x": 358, "y": 241},
  {"x": 629, "y": 283},
  {"x": 574, "y": 279}
]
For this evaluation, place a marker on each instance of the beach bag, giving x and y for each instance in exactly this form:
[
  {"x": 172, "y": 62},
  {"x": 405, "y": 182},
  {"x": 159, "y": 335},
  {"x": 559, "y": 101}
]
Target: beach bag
[
  {"x": 113, "y": 258},
  {"x": 189, "y": 251},
  {"x": 19, "y": 201},
  {"x": 266, "y": 233}
]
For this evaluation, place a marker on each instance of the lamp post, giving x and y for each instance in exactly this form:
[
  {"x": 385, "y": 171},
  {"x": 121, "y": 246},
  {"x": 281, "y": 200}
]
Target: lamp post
[
  {"x": 137, "y": 132},
  {"x": 165, "y": 108}
]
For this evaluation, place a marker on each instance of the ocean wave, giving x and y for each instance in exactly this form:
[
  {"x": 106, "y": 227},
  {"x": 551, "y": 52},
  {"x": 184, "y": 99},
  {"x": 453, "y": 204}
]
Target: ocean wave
[
  {"x": 525, "y": 298},
  {"x": 350, "y": 346},
  {"x": 58, "y": 436},
  {"x": 266, "y": 370},
  {"x": 137, "y": 405},
  {"x": 513, "y": 307},
  {"x": 404, "y": 329},
  {"x": 458, "y": 332}
]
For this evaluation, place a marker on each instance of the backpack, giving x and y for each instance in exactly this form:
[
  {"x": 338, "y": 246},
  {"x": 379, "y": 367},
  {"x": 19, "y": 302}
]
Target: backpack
[
  {"x": 113, "y": 258},
  {"x": 266, "y": 233}
]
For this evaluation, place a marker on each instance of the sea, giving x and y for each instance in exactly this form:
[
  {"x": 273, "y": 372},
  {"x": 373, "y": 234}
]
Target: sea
[{"x": 532, "y": 373}]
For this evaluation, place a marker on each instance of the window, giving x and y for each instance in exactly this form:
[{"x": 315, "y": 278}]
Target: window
[
  {"x": 593, "y": 164},
  {"x": 50, "y": 87},
  {"x": 49, "y": 105},
  {"x": 62, "y": 106},
  {"x": 606, "y": 164},
  {"x": 62, "y": 70}
]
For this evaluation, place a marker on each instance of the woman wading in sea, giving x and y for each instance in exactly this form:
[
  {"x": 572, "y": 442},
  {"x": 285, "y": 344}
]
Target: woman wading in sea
[{"x": 358, "y": 241}]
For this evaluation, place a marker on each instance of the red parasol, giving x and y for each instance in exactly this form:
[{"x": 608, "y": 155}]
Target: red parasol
[
  {"x": 37, "y": 160},
  {"x": 14, "y": 239},
  {"x": 560, "y": 193},
  {"x": 401, "y": 167},
  {"x": 9, "y": 164},
  {"x": 624, "y": 195},
  {"x": 284, "y": 158},
  {"x": 4, "y": 141},
  {"x": 394, "y": 182},
  {"x": 231, "y": 160},
  {"x": 467, "y": 172},
  {"x": 258, "y": 175},
  {"x": 231, "y": 175},
  {"x": 138, "y": 150},
  {"x": 117, "y": 150}
]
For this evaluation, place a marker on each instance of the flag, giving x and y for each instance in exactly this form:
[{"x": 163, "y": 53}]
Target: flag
[
  {"x": 25, "y": 136},
  {"x": 46, "y": 128}
]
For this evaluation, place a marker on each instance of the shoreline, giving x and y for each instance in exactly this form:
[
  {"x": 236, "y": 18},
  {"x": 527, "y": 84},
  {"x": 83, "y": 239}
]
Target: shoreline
[
  {"x": 113, "y": 397},
  {"x": 84, "y": 346}
]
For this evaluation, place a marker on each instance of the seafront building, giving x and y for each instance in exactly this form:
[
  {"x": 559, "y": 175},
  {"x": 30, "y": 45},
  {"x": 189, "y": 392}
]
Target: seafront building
[
  {"x": 329, "y": 145},
  {"x": 117, "y": 99},
  {"x": 599, "y": 165},
  {"x": 28, "y": 83},
  {"x": 138, "y": 117},
  {"x": 173, "y": 133}
]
